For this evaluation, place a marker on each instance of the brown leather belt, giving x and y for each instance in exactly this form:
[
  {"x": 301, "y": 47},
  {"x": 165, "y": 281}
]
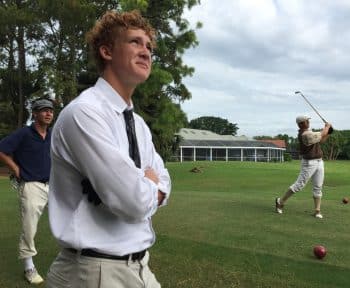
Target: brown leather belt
[{"x": 95, "y": 254}]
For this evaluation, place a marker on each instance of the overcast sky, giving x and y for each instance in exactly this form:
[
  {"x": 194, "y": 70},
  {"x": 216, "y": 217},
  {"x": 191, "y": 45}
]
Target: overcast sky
[{"x": 254, "y": 54}]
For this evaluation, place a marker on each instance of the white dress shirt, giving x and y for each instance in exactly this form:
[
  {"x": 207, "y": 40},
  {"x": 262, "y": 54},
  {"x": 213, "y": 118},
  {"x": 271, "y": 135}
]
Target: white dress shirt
[{"x": 89, "y": 140}]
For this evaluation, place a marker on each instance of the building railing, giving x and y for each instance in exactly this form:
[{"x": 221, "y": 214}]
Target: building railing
[{"x": 255, "y": 154}]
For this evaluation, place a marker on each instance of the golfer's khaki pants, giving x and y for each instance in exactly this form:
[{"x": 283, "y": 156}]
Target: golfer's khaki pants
[
  {"x": 32, "y": 201},
  {"x": 310, "y": 169},
  {"x": 70, "y": 270}
]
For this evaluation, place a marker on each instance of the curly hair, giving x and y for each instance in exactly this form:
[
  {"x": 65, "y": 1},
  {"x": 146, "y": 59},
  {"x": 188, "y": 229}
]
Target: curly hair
[{"x": 107, "y": 29}]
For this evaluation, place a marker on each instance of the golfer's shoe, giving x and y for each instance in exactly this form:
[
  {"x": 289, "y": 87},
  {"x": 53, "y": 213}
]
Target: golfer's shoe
[
  {"x": 278, "y": 206},
  {"x": 33, "y": 277},
  {"x": 318, "y": 215}
]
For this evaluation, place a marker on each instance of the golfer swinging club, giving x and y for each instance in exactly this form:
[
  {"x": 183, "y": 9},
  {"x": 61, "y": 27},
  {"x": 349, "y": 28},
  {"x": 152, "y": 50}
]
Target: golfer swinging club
[{"x": 312, "y": 165}]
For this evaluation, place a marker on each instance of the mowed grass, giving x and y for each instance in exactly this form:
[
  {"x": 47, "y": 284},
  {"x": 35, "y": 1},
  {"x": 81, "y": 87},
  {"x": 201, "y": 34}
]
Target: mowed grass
[{"x": 220, "y": 229}]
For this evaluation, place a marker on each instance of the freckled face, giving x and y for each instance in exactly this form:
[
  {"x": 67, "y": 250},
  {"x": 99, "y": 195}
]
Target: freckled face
[{"x": 131, "y": 57}]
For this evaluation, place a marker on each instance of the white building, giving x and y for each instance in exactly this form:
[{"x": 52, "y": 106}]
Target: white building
[{"x": 203, "y": 145}]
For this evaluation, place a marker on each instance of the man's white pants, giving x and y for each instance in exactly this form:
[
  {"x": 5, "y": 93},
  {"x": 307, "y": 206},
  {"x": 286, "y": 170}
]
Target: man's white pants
[
  {"x": 310, "y": 169},
  {"x": 33, "y": 198}
]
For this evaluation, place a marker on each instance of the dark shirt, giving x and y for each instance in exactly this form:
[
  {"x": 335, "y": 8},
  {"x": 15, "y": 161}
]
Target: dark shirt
[
  {"x": 309, "y": 152},
  {"x": 30, "y": 152}
]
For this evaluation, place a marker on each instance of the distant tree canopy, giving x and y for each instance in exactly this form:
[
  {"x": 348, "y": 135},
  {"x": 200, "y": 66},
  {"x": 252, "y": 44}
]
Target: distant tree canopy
[
  {"x": 215, "y": 124},
  {"x": 345, "y": 152},
  {"x": 337, "y": 144},
  {"x": 42, "y": 48},
  {"x": 336, "y": 147},
  {"x": 291, "y": 142}
]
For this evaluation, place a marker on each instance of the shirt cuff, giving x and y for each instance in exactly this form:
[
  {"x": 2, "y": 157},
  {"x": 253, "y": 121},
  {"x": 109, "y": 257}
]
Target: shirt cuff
[{"x": 155, "y": 198}]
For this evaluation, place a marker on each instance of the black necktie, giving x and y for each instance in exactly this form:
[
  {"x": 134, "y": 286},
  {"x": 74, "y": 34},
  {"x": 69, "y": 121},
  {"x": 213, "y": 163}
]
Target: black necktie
[
  {"x": 133, "y": 153},
  {"x": 130, "y": 130}
]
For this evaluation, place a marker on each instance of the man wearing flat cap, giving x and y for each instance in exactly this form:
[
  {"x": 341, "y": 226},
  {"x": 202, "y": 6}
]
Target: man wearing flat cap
[
  {"x": 312, "y": 166},
  {"x": 26, "y": 152}
]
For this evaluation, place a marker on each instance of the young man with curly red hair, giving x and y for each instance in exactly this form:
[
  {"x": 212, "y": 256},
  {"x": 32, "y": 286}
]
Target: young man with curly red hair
[{"x": 107, "y": 180}]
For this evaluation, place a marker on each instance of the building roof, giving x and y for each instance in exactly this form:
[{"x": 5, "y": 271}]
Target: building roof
[
  {"x": 225, "y": 143},
  {"x": 205, "y": 138},
  {"x": 196, "y": 134},
  {"x": 278, "y": 142}
]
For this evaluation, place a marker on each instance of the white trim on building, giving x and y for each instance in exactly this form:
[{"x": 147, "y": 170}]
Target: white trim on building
[{"x": 202, "y": 145}]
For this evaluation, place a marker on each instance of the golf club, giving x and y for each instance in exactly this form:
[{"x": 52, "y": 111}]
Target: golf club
[{"x": 308, "y": 102}]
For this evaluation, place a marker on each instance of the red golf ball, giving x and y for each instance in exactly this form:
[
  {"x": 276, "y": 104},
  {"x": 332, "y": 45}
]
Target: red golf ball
[{"x": 320, "y": 251}]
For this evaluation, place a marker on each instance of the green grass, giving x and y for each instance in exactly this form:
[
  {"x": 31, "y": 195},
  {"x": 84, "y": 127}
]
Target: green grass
[{"x": 220, "y": 230}]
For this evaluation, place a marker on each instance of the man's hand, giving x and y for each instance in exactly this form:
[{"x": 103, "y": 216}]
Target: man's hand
[
  {"x": 330, "y": 128},
  {"x": 15, "y": 182},
  {"x": 15, "y": 171},
  {"x": 161, "y": 197},
  {"x": 153, "y": 176},
  {"x": 326, "y": 128},
  {"x": 326, "y": 131}
]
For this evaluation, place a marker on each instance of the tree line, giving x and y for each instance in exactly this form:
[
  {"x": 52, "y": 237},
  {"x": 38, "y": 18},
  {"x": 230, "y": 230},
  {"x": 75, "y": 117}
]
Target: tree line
[
  {"x": 336, "y": 147},
  {"x": 43, "y": 53}
]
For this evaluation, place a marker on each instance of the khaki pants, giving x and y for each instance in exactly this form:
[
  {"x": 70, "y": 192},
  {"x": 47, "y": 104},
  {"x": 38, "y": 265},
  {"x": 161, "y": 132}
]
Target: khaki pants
[
  {"x": 310, "y": 169},
  {"x": 32, "y": 201},
  {"x": 71, "y": 270}
]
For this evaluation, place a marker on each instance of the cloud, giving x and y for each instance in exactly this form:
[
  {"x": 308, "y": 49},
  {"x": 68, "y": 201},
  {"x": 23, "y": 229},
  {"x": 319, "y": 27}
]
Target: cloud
[{"x": 253, "y": 55}]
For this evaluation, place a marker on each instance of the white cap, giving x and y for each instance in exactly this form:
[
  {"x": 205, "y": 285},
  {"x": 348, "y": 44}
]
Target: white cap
[{"x": 302, "y": 118}]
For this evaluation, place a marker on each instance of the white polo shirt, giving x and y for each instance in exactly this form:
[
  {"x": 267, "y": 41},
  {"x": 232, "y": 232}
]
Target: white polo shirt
[{"x": 89, "y": 140}]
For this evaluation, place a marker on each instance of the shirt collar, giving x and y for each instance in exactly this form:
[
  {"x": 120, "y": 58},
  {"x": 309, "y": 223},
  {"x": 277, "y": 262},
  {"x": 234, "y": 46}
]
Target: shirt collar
[{"x": 115, "y": 100}]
